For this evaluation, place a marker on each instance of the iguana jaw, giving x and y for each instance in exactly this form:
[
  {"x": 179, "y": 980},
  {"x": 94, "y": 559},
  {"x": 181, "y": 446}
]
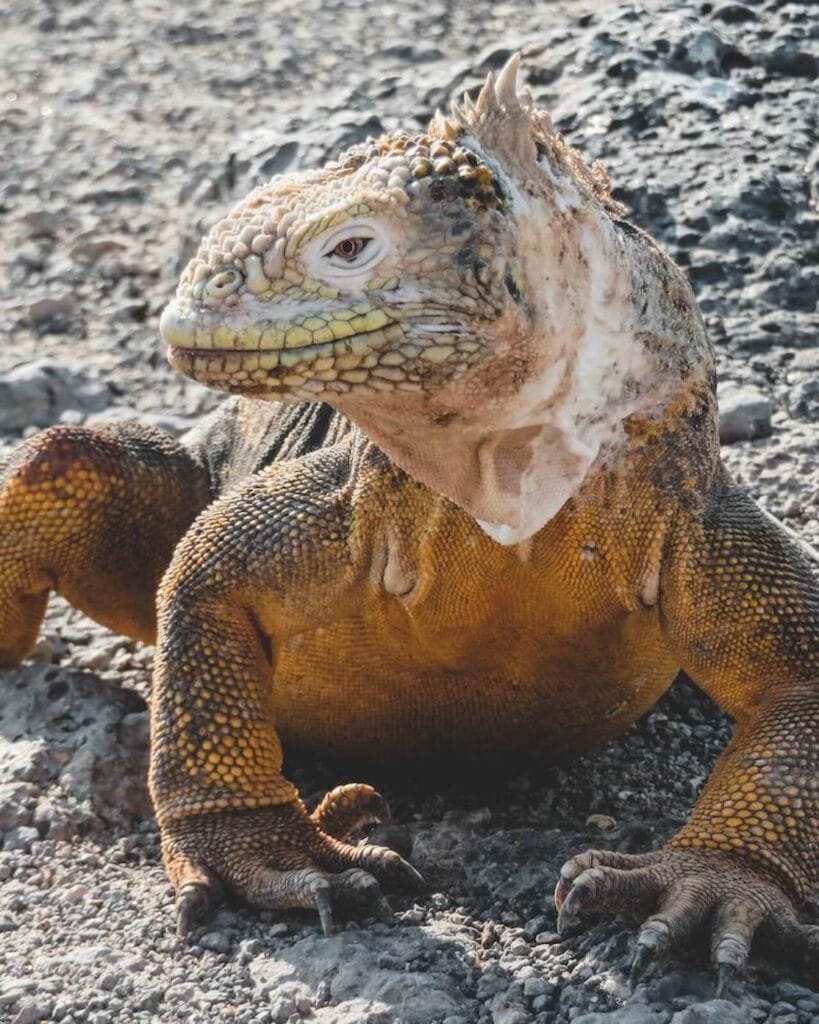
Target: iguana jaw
[{"x": 320, "y": 353}]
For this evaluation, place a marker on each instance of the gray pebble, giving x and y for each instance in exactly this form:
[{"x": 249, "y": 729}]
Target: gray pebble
[
  {"x": 744, "y": 414},
  {"x": 216, "y": 942},
  {"x": 20, "y": 838},
  {"x": 714, "y": 1011},
  {"x": 282, "y": 1008}
]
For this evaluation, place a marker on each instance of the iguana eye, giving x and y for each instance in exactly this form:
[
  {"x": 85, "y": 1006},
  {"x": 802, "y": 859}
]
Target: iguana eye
[
  {"x": 347, "y": 255},
  {"x": 349, "y": 248}
]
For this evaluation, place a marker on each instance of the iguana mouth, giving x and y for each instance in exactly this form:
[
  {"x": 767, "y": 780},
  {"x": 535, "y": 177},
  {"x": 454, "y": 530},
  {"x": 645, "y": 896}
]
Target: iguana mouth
[
  {"x": 357, "y": 344},
  {"x": 384, "y": 359},
  {"x": 298, "y": 330}
]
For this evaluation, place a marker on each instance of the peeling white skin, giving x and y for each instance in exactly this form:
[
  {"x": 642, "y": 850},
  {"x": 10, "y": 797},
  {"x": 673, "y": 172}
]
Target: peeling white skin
[{"x": 513, "y": 457}]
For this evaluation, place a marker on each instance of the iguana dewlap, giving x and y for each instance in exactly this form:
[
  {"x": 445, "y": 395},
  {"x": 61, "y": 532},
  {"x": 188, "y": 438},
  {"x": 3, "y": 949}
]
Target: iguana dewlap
[{"x": 525, "y": 535}]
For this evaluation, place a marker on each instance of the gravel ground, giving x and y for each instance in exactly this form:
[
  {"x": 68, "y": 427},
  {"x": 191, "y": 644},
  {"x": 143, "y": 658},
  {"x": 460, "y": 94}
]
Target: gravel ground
[{"x": 126, "y": 129}]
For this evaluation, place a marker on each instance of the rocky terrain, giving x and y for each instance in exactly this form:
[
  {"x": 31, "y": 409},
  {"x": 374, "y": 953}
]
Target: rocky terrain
[{"x": 126, "y": 130}]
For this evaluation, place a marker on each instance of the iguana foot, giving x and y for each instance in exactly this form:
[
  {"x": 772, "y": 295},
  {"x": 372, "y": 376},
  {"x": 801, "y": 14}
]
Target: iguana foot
[
  {"x": 281, "y": 858},
  {"x": 681, "y": 890}
]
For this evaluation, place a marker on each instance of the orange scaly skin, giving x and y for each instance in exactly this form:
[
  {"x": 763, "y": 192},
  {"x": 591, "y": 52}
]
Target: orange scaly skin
[{"x": 327, "y": 597}]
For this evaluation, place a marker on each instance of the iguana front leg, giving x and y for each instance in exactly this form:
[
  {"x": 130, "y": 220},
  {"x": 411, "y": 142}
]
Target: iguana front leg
[
  {"x": 267, "y": 561},
  {"x": 741, "y": 609},
  {"x": 95, "y": 515}
]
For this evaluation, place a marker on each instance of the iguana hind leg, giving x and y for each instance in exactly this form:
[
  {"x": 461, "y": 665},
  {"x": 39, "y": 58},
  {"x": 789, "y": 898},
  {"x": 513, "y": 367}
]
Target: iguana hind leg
[{"x": 93, "y": 514}]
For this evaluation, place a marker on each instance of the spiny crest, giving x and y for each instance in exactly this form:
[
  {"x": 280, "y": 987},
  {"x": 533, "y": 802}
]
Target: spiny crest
[
  {"x": 505, "y": 121},
  {"x": 500, "y": 117}
]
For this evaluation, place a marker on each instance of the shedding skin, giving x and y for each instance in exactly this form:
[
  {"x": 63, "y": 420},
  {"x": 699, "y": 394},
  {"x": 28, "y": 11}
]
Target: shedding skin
[{"x": 470, "y": 500}]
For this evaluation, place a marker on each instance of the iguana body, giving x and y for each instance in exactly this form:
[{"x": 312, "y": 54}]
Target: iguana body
[{"x": 471, "y": 300}]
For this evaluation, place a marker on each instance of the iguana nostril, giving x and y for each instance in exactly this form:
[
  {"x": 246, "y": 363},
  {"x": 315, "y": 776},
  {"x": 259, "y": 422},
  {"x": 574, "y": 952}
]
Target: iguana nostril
[{"x": 223, "y": 283}]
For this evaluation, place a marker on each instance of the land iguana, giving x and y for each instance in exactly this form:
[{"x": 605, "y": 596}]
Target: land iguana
[{"x": 469, "y": 499}]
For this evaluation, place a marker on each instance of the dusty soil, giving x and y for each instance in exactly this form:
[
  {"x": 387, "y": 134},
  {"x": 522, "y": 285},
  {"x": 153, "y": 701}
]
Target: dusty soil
[{"x": 126, "y": 129}]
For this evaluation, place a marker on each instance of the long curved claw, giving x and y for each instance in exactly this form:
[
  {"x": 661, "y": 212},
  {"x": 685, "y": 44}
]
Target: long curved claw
[
  {"x": 193, "y": 901},
  {"x": 736, "y": 922},
  {"x": 652, "y": 942},
  {"x": 568, "y": 917},
  {"x": 324, "y": 908},
  {"x": 726, "y": 976},
  {"x": 644, "y": 956}
]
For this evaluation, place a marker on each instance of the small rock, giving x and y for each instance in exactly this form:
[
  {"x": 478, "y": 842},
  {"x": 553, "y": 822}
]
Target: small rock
[
  {"x": 733, "y": 14},
  {"x": 97, "y": 657},
  {"x": 90, "y": 249},
  {"x": 636, "y": 1014},
  {"x": 216, "y": 942},
  {"x": 151, "y": 998},
  {"x": 20, "y": 838},
  {"x": 603, "y": 822},
  {"x": 181, "y": 993},
  {"x": 33, "y": 1010},
  {"x": 49, "y": 312},
  {"x": 519, "y": 947},
  {"x": 281, "y": 1008},
  {"x": 700, "y": 52},
  {"x": 804, "y": 400},
  {"x": 713, "y": 1011},
  {"x": 744, "y": 414},
  {"x": 534, "y": 987},
  {"x": 41, "y": 223},
  {"x": 14, "y": 804},
  {"x": 38, "y": 393},
  {"x": 504, "y": 1012}
]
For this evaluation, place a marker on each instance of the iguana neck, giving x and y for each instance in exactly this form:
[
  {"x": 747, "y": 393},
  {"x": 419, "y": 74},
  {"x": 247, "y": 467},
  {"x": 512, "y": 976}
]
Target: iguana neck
[{"x": 570, "y": 367}]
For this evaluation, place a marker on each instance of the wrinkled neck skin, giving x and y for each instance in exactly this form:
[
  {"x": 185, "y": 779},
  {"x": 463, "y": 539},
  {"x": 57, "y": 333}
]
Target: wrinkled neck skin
[{"x": 592, "y": 340}]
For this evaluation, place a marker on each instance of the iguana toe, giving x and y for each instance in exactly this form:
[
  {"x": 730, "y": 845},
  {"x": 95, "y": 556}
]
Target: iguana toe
[{"x": 346, "y": 809}]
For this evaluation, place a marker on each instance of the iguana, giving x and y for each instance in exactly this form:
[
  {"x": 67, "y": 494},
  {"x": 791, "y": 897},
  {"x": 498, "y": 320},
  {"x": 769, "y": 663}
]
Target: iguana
[{"x": 480, "y": 507}]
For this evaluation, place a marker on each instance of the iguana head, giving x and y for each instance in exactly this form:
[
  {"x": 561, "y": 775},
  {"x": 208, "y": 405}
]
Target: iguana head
[{"x": 463, "y": 294}]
